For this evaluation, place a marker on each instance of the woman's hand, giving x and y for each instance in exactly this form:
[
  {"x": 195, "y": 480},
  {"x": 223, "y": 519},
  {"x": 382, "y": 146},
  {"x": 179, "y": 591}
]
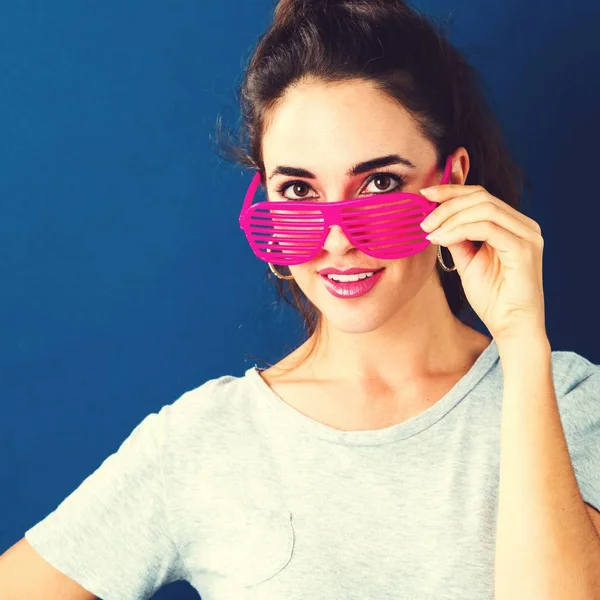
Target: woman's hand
[{"x": 502, "y": 279}]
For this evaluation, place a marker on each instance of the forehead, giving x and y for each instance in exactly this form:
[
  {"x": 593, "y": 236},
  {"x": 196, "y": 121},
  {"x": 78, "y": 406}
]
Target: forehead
[{"x": 329, "y": 124}]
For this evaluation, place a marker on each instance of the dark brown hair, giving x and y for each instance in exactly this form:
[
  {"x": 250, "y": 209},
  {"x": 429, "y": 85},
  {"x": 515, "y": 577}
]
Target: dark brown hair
[{"x": 409, "y": 57}]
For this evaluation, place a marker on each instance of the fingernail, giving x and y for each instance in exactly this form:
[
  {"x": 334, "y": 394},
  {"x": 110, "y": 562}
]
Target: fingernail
[
  {"x": 427, "y": 224},
  {"x": 428, "y": 191}
]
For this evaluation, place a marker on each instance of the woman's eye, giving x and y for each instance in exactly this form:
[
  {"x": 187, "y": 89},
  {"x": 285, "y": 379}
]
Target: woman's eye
[
  {"x": 296, "y": 187},
  {"x": 382, "y": 183}
]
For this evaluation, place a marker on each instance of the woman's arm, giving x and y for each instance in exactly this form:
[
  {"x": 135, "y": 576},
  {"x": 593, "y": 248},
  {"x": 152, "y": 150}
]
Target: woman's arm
[
  {"x": 25, "y": 575},
  {"x": 546, "y": 544}
]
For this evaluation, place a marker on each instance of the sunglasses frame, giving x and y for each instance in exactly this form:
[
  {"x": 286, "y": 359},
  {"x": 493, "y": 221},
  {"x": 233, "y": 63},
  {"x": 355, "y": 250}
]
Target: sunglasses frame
[{"x": 331, "y": 214}]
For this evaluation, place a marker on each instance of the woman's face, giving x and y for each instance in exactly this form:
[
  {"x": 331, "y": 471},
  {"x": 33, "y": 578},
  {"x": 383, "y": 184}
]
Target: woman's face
[{"x": 326, "y": 129}]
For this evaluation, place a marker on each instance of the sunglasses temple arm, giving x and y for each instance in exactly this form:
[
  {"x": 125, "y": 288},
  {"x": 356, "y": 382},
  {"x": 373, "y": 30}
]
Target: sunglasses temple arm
[
  {"x": 447, "y": 172},
  {"x": 250, "y": 195}
]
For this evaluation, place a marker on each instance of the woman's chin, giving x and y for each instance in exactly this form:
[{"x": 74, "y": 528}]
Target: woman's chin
[{"x": 349, "y": 318}]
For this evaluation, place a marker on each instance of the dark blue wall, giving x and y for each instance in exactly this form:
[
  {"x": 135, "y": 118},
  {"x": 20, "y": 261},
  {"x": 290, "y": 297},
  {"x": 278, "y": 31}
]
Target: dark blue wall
[{"x": 125, "y": 278}]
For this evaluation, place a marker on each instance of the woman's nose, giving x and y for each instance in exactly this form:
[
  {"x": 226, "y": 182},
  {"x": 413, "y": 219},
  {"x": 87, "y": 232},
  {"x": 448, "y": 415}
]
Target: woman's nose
[{"x": 336, "y": 241}]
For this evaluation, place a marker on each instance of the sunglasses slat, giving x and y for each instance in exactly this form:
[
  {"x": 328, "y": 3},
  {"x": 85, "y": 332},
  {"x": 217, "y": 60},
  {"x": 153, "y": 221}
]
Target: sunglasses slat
[
  {"x": 291, "y": 221},
  {"x": 393, "y": 224},
  {"x": 288, "y": 242},
  {"x": 372, "y": 243},
  {"x": 381, "y": 212}
]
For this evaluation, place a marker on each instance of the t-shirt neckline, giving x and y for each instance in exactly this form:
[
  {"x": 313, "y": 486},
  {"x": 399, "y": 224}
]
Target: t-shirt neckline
[{"x": 295, "y": 420}]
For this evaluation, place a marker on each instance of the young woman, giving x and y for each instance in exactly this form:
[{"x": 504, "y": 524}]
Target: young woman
[{"x": 398, "y": 452}]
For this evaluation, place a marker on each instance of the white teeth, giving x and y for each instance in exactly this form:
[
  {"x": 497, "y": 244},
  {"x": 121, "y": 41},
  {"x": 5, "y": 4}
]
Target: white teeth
[{"x": 345, "y": 278}]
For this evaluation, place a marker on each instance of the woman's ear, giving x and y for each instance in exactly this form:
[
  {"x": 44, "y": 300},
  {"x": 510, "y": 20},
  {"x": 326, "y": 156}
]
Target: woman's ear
[{"x": 460, "y": 166}]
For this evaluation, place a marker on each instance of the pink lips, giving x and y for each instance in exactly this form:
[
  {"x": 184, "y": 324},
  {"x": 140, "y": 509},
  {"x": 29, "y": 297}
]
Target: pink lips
[
  {"x": 351, "y": 289},
  {"x": 352, "y": 271}
]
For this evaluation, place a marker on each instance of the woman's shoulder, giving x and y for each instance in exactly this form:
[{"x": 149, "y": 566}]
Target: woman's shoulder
[
  {"x": 577, "y": 387},
  {"x": 571, "y": 370},
  {"x": 221, "y": 401}
]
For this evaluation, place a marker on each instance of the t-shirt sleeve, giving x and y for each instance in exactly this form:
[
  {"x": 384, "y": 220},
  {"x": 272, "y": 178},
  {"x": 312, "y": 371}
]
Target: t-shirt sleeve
[
  {"x": 111, "y": 535},
  {"x": 578, "y": 393}
]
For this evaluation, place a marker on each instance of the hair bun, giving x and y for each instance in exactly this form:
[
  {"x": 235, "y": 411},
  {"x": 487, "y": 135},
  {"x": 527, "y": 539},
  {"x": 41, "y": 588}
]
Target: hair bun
[{"x": 289, "y": 11}]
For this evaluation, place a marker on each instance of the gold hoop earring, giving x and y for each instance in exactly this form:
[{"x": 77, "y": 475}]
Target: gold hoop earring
[
  {"x": 278, "y": 275},
  {"x": 441, "y": 261}
]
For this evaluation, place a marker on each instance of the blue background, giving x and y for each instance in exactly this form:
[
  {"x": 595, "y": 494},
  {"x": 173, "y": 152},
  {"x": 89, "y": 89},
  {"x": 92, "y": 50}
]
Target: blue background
[{"x": 125, "y": 278}]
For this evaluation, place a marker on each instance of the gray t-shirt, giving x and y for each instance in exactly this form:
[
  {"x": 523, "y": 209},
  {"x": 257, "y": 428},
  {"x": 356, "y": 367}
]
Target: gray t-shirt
[{"x": 244, "y": 497}]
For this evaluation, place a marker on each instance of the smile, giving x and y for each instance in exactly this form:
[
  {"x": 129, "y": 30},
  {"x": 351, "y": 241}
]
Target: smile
[{"x": 352, "y": 286}]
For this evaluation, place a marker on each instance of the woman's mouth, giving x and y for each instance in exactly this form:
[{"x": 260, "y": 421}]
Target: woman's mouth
[{"x": 352, "y": 289}]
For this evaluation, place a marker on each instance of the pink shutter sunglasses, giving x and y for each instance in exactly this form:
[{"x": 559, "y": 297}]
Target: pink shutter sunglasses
[{"x": 385, "y": 226}]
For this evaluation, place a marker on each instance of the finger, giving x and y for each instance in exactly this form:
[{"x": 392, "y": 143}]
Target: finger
[
  {"x": 475, "y": 193},
  {"x": 448, "y": 190},
  {"x": 483, "y": 231},
  {"x": 485, "y": 211}
]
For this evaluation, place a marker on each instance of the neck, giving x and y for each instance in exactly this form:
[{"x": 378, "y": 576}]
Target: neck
[{"x": 423, "y": 340}]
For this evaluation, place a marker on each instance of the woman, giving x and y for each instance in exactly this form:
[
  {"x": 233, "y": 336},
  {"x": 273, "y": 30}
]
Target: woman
[{"x": 398, "y": 452}]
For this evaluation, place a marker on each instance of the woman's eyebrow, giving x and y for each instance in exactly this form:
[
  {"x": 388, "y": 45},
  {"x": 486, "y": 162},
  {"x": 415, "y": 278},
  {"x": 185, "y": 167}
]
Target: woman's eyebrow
[{"x": 362, "y": 167}]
